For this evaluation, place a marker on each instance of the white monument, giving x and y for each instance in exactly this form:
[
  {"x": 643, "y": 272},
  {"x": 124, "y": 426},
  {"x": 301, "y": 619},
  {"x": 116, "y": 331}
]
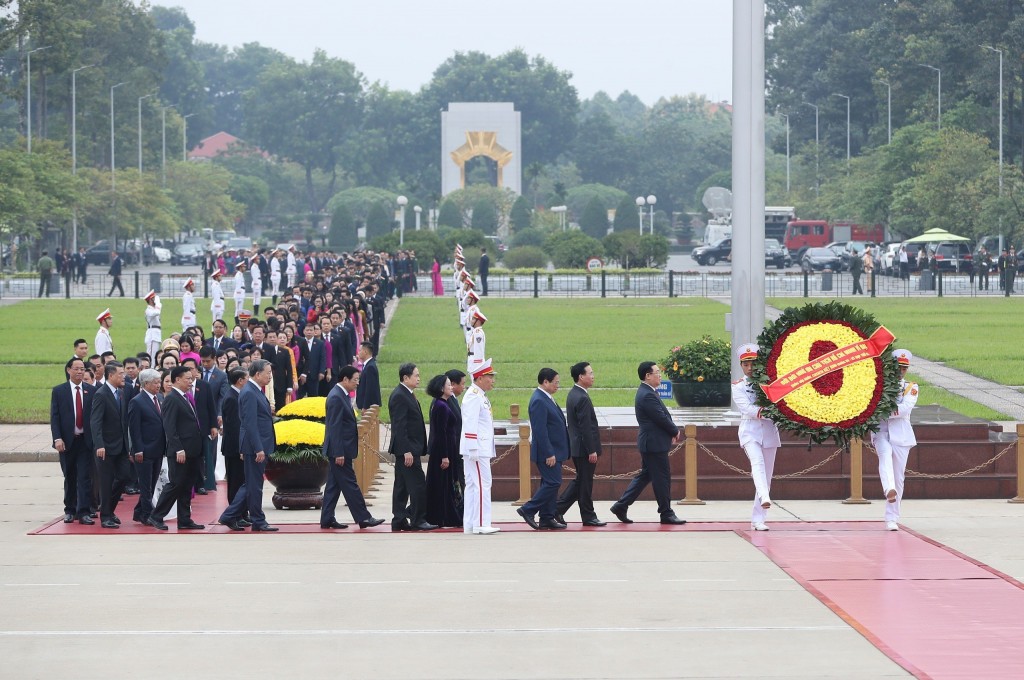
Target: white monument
[{"x": 469, "y": 130}]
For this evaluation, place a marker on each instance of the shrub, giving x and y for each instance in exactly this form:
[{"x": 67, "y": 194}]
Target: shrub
[
  {"x": 706, "y": 359},
  {"x": 594, "y": 219},
  {"x": 571, "y": 249},
  {"x": 485, "y": 216},
  {"x": 449, "y": 215},
  {"x": 525, "y": 257},
  {"x": 520, "y": 215},
  {"x": 529, "y": 237},
  {"x": 342, "y": 234},
  {"x": 378, "y": 222}
]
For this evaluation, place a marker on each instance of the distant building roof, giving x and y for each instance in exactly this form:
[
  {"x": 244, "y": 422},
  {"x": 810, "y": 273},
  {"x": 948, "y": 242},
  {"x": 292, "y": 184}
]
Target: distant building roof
[
  {"x": 222, "y": 142},
  {"x": 715, "y": 107}
]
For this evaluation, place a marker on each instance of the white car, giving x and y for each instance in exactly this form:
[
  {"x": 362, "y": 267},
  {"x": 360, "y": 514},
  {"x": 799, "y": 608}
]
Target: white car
[{"x": 161, "y": 254}]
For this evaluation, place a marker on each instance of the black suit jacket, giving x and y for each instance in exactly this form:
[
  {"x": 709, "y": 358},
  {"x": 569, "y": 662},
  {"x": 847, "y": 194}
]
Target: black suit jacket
[
  {"x": 62, "y": 413},
  {"x": 456, "y": 407},
  {"x": 145, "y": 427},
  {"x": 408, "y": 433},
  {"x": 130, "y": 389},
  {"x": 368, "y": 390},
  {"x": 115, "y": 267},
  {"x": 656, "y": 427},
  {"x": 342, "y": 433},
  {"x": 282, "y": 368},
  {"x": 206, "y": 405},
  {"x": 180, "y": 426},
  {"x": 225, "y": 344},
  {"x": 230, "y": 442},
  {"x": 218, "y": 386},
  {"x": 311, "y": 362},
  {"x": 485, "y": 265},
  {"x": 584, "y": 436},
  {"x": 109, "y": 422}
]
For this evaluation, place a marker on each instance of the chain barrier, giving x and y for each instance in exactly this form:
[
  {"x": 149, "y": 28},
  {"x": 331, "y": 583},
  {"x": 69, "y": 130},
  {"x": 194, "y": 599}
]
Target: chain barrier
[
  {"x": 790, "y": 475},
  {"x": 386, "y": 457},
  {"x": 621, "y": 475},
  {"x": 952, "y": 475}
]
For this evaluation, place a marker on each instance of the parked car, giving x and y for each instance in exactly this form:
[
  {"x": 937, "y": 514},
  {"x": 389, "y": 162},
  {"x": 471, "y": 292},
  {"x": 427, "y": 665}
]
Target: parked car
[
  {"x": 953, "y": 257},
  {"x": 238, "y": 243},
  {"x": 820, "y": 259},
  {"x": 775, "y": 254},
  {"x": 711, "y": 254},
  {"x": 155, "y": 253},
  {"x": 188, "y": 253},
  {"x": 100, "y": 254}
]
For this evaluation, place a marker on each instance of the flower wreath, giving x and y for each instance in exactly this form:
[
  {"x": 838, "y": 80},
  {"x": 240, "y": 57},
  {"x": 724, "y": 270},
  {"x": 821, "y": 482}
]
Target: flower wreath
[{"x": 826, "y": 372}]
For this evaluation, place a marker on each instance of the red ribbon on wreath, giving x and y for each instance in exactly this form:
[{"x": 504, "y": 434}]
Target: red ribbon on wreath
[{"x": 828, "y": 363}]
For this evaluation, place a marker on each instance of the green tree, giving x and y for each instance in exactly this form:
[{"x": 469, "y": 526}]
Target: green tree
[
  {"x": 529, "y": 237},
  {"x": 343, "y": 229},
  {"x": 520, "y": 214},
  {"x": 360, "y": 199},
  {"x": 525, "y": 257},
  {"x": 623, "y": 247},
  {"x": 626, "y": 219},
  {"x": 594, "y": 220},
  {"x": 428, "y": 245},
  {"x": 571, "y": 249},
  {"x": 653, "y": 250},
  {"x": 579, "y": 197},
  {"x": 485, "y": 216},
  {"x": 450, "y": 215},
  {"x": 602, "y": 152},
  {"x": 201, "y": 192},
  {"x": 252, "y": 193},
  {"x": 378, "y": 222}
]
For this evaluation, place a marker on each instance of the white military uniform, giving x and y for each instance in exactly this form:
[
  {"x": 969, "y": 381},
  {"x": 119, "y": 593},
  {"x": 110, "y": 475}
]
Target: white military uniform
[
  {"x": 275, "y": 276},
  {"x": 290, "y": 269},
  {"x": 759, "y": 438},
  {"x": 153, "y": 332},
  {"x": 217, "y": 304},
  {"x": 893, "y": 441},
  {"x": 103, "y": 342},
  {"x": 477, "y": 449},
  {"x": 188, "y": 310},
  {"x": 257, "y": 286},
  {"x": 475, "y": 349},
  {"x": 239, "y": 294}
]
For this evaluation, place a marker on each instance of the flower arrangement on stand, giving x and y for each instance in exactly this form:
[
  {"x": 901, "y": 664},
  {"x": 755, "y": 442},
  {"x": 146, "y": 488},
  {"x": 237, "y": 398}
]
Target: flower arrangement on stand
[
  {"x": 700, "y": 372},
  {"x": 297, "y": 468}
]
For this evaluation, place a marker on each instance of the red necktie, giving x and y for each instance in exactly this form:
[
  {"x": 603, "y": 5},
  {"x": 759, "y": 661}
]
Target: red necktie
[
  {"x": 79, "y": 421},
  {"x": 156, "y": 402}
]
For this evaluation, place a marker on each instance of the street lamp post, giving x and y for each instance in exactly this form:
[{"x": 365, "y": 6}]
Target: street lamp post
[
  {"x": 640, "y": 201},
  {"x": 816, "y": 147},
  {"x": 184, "y": 136},
  {"x": 28, "y": 92},
  {"x": 163, "y": 142},
  {"x": 417, "y": 209},
  {"x": 938, "y": 71},
  {"x": 786, "y": 116},
  {"x": 1000, "y": 53},
  {"x": 834, "y": 94},
  {"x": 888, "y": 88},
  {"x": 113, "y": 177},
  {"x": 140, "y": 128},
  {"x": 74, "y": 148},
  {"x": 402, "y": 202},
  {"x": 651, "y": 200}
]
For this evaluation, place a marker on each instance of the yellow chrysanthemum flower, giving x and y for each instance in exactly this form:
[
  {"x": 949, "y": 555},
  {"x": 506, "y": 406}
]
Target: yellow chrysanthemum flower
[
  {"x": 299, "y": 433},
  {"x": 309, "y": 407}
]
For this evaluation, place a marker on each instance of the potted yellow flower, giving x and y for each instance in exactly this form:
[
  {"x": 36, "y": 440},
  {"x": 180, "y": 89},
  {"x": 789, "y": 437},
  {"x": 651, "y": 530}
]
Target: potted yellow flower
[
  {"x": 297, "y": 468},
  {"x": 700, "y": 372}
]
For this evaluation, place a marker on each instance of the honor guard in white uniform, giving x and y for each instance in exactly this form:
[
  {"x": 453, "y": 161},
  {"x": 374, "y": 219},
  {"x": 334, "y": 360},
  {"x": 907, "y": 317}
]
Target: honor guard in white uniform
[
  {"x": 472, "y": 299},
  {"x": 477, "y": 342},
  {"x": 153, "y": 331},
  {"x": 893, "y": 441},
  {"x": 217, "y": 295},
  {"x": 467, "y": 285},
  {"x": 289, "y": 269},
  {"x": 759, "y": 437},
  {"x": 275, "y": 274},
  {"x": 477, "y": 449},
  {"x": 257, "y": 284},
  {"x": 239, "y": 292},
  {"x": 188, "y": 305},
  {"x": 103, "y": 342}
]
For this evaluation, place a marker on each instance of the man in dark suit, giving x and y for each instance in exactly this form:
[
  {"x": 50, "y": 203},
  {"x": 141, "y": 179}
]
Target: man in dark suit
[
  {"x": 483, "y": 270},
  {"x": 116, "y": 263},
  {"x": 70, "y": 415},
  {"x": 257, "y": 441},
  {"x": 550, "y": 446},
  {"x": 109, "y": 429},
  {"x": 408, "y": 445},
  {"x": 368, "y": 392},
  {"x": 204, "y": 401},
  {"x": 219, "y": 341},
  {"x": 147, "y": 442},
  {"x": 230, "y": 446},
  {"x": 657, "y": 434},
  {"x": 458, "y": 380},
  {"x": 584, "y": 446},
  {"x": 281, "y": 366},
  {"x": 312, "y": 363},
  {"x": 341, "y": 446},
  {"x": 184, "y": 452}
]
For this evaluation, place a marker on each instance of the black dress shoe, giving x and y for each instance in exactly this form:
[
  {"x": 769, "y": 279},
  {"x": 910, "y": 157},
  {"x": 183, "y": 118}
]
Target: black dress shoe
[
  {"x": 672, "y": 519},
  {"x": 424, "y": 526},
  {"x": 191, "y": 526},
  {"x": 244, "y": 523},
  {"x": 86, "y": 519},
  {"x": 110, "y": 524},
  {"x": 620, "y": 512},
  {"x": 156, "y": 524},
  {"x": 559, "y": 518},
  {"x": 372, "y": 522},
  {"x": 201, "y": 491},
  {"x": 334, "y": 525},
  {"x": 94, "y": 515},
  {"x": 233, "y": 525},
  {"x": 138, "y": 518},
  {"x": 116, "y": 520},
  {"x": 68, "y": 518},
  {"x": 532, "y": 521},
  {"x": 265, "y": 527},
  {"x": 550, "y": 524},
  {"x": 403, "y": 526},
  {"x": 594, "y": 523},
  {"x": 131, "y": 491}
]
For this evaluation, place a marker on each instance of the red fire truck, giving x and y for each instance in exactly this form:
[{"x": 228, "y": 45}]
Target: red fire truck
[{"x": 802, "y": 234}]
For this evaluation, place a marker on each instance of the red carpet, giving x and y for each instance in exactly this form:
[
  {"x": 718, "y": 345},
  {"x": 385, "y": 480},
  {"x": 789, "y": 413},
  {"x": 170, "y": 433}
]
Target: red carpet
[{"x": 935, "y": 612}]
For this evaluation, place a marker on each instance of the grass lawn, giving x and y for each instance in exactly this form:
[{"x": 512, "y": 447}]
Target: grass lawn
[{"x": 977, "y": 336}]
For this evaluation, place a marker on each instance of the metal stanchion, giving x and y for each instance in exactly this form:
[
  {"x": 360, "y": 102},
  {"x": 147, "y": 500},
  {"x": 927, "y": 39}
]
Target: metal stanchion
[
  {"x": 524, "y": 465},
  {"x": 1019, "y": 498},
  {"x": 856, "y": 474},
  {"x": 690, "y": 431}
]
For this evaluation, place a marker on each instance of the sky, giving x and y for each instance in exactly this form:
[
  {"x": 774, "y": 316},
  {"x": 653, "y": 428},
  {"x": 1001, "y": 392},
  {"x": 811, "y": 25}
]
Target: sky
[{"x": 652, "y": 48}]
